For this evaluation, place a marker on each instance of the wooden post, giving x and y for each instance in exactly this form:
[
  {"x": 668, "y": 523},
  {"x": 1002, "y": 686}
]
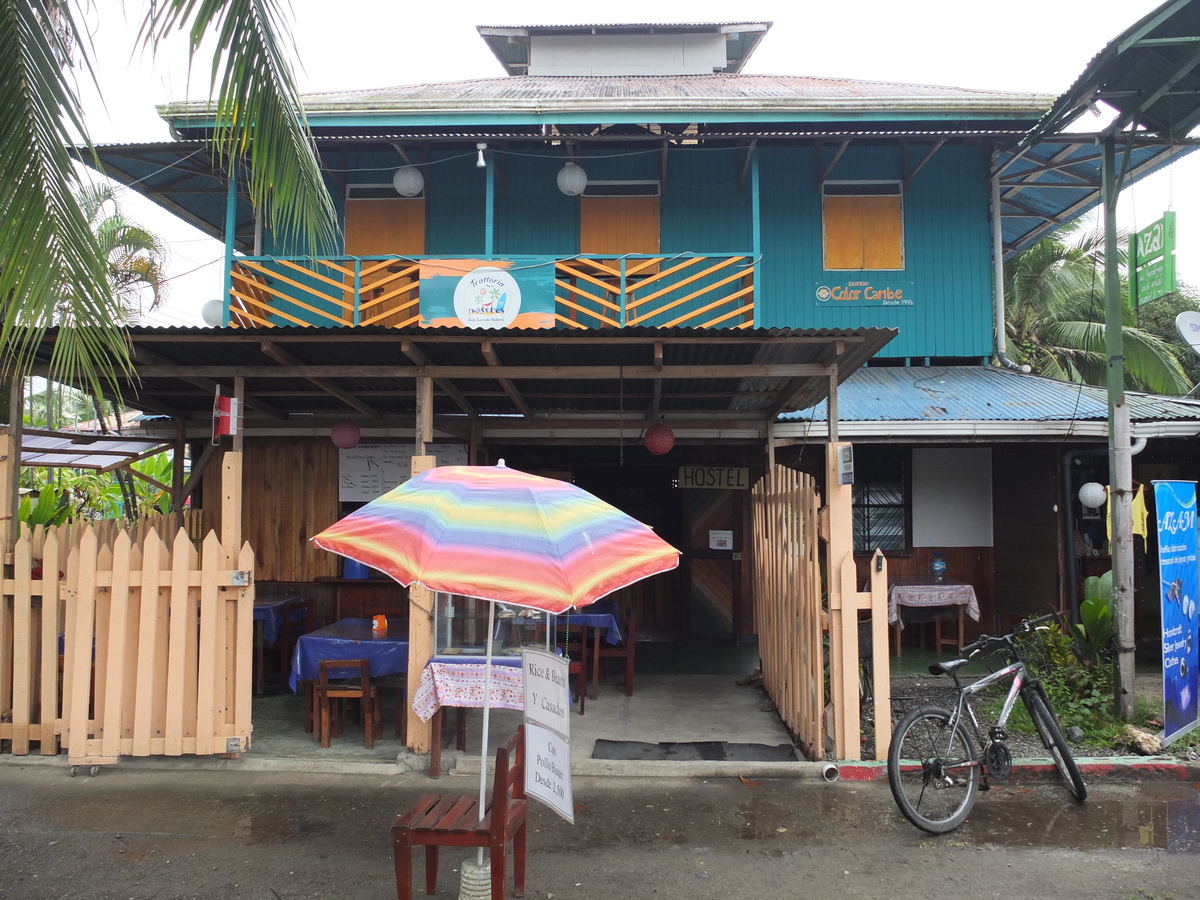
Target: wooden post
[
  {"x": 10, "y": 469},
  {"x": 420, "y": 640},
  {"x": 231, "y": 485},
  {"x": 843, "y": 616}
]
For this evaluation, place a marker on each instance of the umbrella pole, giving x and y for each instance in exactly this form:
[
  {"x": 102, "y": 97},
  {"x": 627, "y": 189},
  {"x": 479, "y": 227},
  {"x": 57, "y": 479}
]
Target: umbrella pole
[{"x": 487, "y": 708}]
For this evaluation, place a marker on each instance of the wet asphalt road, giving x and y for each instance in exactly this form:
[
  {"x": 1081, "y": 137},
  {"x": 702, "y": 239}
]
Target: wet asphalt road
[{"x": 159, "y": 834}]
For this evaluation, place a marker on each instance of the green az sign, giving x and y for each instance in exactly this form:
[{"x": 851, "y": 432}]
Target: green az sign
[{"x": 1153, "y": 264}]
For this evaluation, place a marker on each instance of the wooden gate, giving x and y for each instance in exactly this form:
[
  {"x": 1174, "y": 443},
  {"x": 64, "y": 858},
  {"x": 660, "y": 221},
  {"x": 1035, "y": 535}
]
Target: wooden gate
[
  {"x": 125, "y": 646},
  {"x": 787, "y": 601}
]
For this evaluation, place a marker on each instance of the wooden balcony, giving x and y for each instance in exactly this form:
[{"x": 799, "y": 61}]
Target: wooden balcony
[{"x": 685, "y": 290}]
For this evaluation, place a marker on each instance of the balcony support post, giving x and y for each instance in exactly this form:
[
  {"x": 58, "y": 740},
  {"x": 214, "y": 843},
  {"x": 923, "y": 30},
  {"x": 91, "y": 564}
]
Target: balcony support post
[
  {"x": 230, "y": 225},
  {"x": 489, "y": 212}
]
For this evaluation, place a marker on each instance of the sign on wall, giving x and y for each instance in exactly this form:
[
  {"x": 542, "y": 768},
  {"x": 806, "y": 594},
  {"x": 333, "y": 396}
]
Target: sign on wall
[
  {"x": 496, "y": 293},
  {"x": 371, "y": 470},
  {"x": 721, "y": 478},
  {"x": 856, "y": 290},
  {"x": 1175, "y": 507}
]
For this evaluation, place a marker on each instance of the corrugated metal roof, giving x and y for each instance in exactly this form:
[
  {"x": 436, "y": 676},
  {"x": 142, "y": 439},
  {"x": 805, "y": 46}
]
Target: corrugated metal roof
[
  {"x": 85, "y": 451},
  {"x": 981, "y": 394},
  {"x": 1149, "y": 73},
  {"x": 706, "y": 375},
  {"x": 539, "y": 94}
]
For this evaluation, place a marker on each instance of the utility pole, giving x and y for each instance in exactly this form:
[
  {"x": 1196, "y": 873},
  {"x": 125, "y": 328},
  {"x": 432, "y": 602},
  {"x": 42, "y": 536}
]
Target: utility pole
[{"x": 1120, "y": 461}]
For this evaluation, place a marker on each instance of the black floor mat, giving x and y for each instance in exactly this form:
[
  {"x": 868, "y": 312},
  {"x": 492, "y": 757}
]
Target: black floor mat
[{"x": 694, "y": 750}]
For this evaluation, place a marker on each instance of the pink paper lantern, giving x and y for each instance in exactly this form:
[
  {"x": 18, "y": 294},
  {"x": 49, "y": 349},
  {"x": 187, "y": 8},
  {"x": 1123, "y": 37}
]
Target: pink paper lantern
[
  {"x": 659, "y": 439},
  {"x": 345, "y": 435}
]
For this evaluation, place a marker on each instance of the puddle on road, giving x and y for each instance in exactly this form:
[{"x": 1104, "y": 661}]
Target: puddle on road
[{"x": 1163, "y": 824}]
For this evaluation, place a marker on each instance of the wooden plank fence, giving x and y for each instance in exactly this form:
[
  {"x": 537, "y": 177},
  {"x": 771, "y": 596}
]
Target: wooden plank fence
[
  {"x": 795, "y": 611},
  {"x": 117, "y": 644},
  {"x": 787, "y": 601}
]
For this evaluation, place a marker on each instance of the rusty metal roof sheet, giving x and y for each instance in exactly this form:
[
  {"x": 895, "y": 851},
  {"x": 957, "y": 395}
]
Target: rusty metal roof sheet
[{"x": 539, "y": 94}]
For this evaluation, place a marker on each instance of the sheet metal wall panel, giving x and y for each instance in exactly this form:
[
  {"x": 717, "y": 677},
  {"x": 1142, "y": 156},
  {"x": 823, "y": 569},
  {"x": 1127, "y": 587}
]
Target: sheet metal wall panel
[
  {"x": 533, "y": 217},
  {"x": 456, "y": 194},
  {"x": 702, "y": 209}
]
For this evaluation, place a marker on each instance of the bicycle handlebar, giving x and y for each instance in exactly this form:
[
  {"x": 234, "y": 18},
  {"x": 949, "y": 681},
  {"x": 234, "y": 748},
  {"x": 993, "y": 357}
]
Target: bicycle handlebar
[{"x": 988, "y": 640}]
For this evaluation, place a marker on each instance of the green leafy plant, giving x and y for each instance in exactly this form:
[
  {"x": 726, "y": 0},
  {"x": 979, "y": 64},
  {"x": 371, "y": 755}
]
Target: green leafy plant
[
  {"x": 1093, "y": 633},
  {"x": 51, "y": 508}
]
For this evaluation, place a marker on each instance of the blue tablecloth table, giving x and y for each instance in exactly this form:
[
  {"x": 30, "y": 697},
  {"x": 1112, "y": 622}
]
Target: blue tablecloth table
[{"x": 387, "y": 653}]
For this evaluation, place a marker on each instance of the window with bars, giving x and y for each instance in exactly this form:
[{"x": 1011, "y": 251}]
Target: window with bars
[{"x": 881, "y": 503}]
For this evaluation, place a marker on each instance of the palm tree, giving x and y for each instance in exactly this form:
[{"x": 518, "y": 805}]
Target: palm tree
[
  {"x": 135, "y": 256},
  {"x": 1054, "y": 317},
  {"x": 45, "y": 239}
]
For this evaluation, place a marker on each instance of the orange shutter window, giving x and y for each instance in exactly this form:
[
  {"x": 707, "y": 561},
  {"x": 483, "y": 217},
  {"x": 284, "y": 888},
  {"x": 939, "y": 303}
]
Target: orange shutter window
[
  {"x": 863, "y": 232},
  {"x": 618, "y": 225}
]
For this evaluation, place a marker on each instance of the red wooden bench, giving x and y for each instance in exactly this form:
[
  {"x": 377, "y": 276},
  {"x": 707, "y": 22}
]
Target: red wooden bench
[{"x": 451, "y": 820}]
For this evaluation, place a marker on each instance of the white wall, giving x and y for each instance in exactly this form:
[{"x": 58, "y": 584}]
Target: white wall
[
  {"x": 952, "y": 497},
  {"x": 631, "y": 54}
]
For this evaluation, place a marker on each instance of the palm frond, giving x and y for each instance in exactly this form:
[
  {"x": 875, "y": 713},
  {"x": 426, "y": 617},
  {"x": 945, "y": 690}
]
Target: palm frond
[
  {"x": 259, "y": 116},
  {"x": 45, "y": 240}
]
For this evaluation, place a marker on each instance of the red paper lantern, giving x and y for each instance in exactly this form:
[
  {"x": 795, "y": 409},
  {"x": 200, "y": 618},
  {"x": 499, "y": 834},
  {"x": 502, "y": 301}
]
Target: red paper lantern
[
  {"x": 659, "y": 439},
  {"x": 345, "y": 435}
]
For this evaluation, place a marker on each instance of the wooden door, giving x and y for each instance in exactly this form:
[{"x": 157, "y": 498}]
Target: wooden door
[
  {"x": 619, "y": 225},
  {"x": 714, "y": 575},
  {"x": 392, "y": 226}
]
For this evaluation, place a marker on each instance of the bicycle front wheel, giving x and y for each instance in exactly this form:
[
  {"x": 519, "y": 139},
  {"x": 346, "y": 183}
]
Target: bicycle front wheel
[
  {"x": 932, "y": 770},
  {"x": 1051, "y": 734}
]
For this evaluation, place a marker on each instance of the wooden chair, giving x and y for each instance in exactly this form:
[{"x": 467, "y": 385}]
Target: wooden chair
[
  {"x": 625, "y": 650},
  {"x": 573, "y": 642},
  {"x": 450, "y": 820},
  {"x": 327, "y": 691},
  {"x": 296, "y": 619}
]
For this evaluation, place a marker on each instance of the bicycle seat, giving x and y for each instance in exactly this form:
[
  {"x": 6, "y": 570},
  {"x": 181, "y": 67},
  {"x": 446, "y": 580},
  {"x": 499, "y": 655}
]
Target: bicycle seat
[{"x": 947, "y": 668}]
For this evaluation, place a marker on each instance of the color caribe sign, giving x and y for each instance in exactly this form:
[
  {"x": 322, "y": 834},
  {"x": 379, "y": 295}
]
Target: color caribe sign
[{"x": 1153, "y": 265}]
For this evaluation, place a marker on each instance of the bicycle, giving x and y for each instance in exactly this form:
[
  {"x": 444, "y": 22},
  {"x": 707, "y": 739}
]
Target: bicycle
[{"x": 938, "y": 757}]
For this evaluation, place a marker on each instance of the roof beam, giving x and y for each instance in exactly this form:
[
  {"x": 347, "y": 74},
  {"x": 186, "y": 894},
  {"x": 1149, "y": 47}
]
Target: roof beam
[
  {"x": 491, "y": 371},
  {"x": 1186, "y": 65},
  {"x": 417, "y": 355},
  {"x": 833, "y": 162},
  {"x": 493, "y": 360},
  {"x": 141, "y": 355},
  {"x": 284, "y": 358},
  {"x": 1136, "y": 37},
  {"x": 925, "y": 159}
]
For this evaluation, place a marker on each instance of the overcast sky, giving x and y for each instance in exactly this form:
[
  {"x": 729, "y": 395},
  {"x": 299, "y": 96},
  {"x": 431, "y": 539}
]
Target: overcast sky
[{"x": 1039, "y": 46}]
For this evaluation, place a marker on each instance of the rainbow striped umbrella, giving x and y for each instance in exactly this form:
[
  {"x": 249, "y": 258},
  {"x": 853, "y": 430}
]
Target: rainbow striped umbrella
[{"x": 498, "y": 534}]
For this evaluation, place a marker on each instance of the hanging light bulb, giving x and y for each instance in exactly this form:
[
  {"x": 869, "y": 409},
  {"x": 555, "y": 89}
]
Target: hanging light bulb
[
  {"x": 408, "y": 181},
  {"x": 480, "y": 162},
  {"x": 572, "y": 180}
]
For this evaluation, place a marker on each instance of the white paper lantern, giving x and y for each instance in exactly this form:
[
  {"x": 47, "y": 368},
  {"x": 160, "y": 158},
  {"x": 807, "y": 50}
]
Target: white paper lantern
[
  {"x": 408, "y": 181},
  {"x": 572, "y": 180},
  {"x": 213, "y": 313},
  {"x": 1092, "y": 495}
]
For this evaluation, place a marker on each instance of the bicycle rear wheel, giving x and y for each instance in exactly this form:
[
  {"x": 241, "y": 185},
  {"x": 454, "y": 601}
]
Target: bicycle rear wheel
[
  {"x": 1051, "y": 734},
  {"x": 932, "y": 770}
]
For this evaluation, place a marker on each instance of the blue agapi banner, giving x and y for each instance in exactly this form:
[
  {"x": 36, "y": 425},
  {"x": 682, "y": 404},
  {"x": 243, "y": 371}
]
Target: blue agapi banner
[{"x": 1175, "y": 508}]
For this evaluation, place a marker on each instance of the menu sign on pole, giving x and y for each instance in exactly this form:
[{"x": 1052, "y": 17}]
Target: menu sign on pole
[
  {"x": 371, "y": 470},
  {"x": 548, "y": 731}
]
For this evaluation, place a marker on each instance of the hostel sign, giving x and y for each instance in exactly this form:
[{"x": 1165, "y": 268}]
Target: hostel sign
[{"x": 1152, "y": 270}]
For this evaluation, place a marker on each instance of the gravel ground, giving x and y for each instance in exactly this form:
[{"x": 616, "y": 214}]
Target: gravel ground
[{"x": 914, "y": 690}]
